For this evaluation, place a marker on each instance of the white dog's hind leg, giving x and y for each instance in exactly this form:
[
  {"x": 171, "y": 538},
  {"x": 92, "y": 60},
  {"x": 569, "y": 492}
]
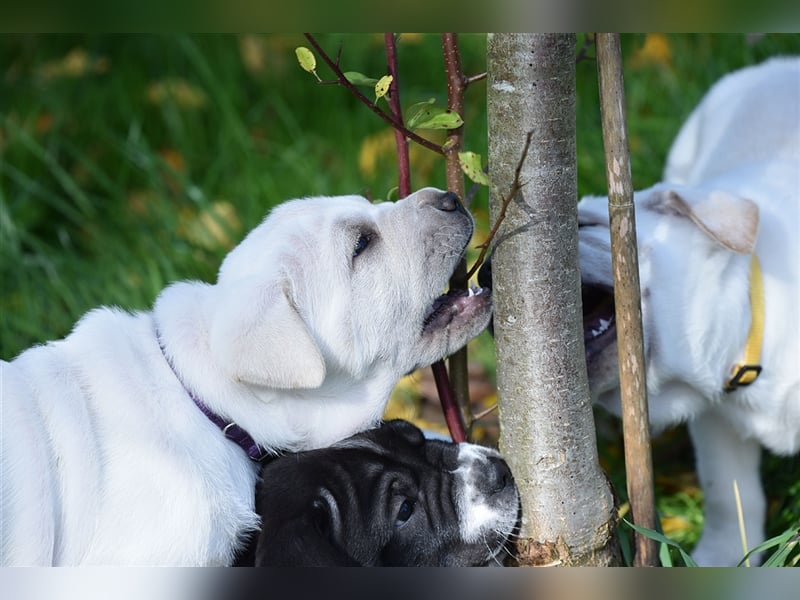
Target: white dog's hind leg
[{"x": 722, "y": 456}]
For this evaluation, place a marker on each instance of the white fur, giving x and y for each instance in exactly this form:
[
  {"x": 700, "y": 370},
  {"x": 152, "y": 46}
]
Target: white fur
[
  {"x": 106, "y": 459},
  {"x": 477, "y": 515},
  {"x": 731, "y": 187}
]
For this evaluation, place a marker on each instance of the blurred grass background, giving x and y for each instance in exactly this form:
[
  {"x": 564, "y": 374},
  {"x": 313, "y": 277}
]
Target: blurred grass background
[{"x": 127, "y": 162}]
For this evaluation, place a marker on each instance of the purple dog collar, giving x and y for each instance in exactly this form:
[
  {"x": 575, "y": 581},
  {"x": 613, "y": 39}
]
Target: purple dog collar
[
  {"x": 229, "y": 429},
  {"x": 232, "y": 431}
]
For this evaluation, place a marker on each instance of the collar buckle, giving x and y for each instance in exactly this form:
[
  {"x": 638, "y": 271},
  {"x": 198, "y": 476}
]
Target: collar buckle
[{"x": 743, "y": 375}]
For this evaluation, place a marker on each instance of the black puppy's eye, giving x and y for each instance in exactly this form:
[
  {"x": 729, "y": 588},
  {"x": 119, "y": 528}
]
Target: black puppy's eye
[
  {"x": 361, "y": 243},
  {"x": 405, "y": 512}
]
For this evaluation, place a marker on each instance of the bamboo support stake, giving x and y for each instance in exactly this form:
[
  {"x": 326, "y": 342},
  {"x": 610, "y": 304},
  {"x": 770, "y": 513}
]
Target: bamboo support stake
[{"x": 627, "y": 297}]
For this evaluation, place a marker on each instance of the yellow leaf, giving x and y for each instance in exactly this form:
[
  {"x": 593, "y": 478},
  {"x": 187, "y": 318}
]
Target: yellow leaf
[
  {"x": 674, "y": 524},
  {"x": 373, "y": 149},
  {"x": 182, "y": 92},
  {"x": 382, "y": 86},
  {"x": 253, "y": 52},
  {"x": 471, "y": 165},
  {"x": 656, "y": 50},
  {"x": 76, "y": 63},
  {"x": 378, "y": 151},
  {"x": 212, "y": 227}
]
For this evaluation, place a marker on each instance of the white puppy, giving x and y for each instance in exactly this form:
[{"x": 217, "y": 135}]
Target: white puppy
[
  {"x": 107, "y": 455},
  {"x": 731, "y": 190}
]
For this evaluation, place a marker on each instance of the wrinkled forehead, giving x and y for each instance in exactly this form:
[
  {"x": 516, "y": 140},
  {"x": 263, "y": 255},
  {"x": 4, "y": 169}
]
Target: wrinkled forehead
[
  {"x": 325, "y": 206},
  {"x": 315, "y": 217},
  {"x": 306, "y": 226}
]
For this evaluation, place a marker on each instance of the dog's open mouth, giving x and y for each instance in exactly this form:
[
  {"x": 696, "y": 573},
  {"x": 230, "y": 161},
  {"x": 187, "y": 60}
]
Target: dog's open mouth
[
  {"x": 599, "y": 322},
  {"x": 462, "y": 304}
]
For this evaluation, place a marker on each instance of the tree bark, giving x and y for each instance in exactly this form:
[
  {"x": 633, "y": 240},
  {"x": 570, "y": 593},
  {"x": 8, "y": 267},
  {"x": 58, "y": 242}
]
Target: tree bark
[
  {"x": 546, "y": 419},
  {"x": 627, "y": 298}
]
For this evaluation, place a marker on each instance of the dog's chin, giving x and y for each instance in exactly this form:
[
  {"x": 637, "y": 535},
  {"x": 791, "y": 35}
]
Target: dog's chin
[{"x": 457, "y": 307}]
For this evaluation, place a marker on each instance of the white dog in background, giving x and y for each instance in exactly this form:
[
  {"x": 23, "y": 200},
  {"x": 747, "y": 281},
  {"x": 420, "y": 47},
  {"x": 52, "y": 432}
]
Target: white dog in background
[
  {"x": 731, "y": 190},
  {"x": 107, "y": 455}
]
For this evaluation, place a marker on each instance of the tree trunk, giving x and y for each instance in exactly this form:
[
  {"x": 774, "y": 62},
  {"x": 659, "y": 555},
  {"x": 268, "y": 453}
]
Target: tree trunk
[{"x": 546, "y": 419}]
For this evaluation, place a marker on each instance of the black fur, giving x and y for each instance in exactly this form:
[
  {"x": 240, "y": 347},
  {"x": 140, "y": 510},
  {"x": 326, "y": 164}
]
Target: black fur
[{"x": 385, "y": 497}]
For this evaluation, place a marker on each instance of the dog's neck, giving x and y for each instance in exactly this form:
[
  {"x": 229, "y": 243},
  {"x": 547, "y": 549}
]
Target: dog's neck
[
  {"x": 277, "y": 419},
  {"x": 230, "y": 429}
]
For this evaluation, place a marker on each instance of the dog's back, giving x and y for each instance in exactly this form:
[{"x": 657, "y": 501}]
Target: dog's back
[{"x": 749, "y": 116}]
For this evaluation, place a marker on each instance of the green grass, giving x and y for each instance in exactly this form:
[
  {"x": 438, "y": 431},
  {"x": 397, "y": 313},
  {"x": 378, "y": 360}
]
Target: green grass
[{"x": 131, "y": 161}]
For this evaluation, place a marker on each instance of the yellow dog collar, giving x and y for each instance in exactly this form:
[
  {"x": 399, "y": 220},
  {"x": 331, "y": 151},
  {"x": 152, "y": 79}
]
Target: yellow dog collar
[{"x": 746, "y": 372}]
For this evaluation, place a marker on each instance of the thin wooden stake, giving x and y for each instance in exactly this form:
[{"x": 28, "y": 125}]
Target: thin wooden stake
[{"x": 627, "y": 297}]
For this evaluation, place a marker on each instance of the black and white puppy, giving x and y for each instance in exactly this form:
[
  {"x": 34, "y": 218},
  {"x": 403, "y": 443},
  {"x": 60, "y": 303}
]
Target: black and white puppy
[{"x": 385, "y": 497}]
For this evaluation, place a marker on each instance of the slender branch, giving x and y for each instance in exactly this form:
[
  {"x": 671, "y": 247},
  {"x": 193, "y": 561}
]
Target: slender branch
[
  {"x": 486, "y": 411},
  {"x": 401, "y": 141},
  {"x": 627, "y": 297},
  {"x": 457, "y": 362},
  {"x": 343, "y": 81},
  {"x": 516, "y": 186},
  {"x": 475, "y": 78},
  {"x": 450, "y": 410}
]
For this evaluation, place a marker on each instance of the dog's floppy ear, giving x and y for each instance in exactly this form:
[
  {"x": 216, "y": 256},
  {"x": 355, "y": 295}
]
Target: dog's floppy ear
[
  {"x": 728, "y": 219},
  {"x": 259, "y": 338},
  {"x": 297, "y": 542}
]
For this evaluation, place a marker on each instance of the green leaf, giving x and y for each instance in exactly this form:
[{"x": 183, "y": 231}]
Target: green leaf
[
  {"x": 414, "y": 112},
  {"x": 382, "y": 86},
  {"x": 786, "y": 543},
  {"x": 437, "y": 117},
  {"x": 357, "y": 78},
  {"x": 471, "y": 165},
  {"x": 433, "y": 117},
  {"x": 654, "y": 535},
  {"x": 306, "y": 59}
]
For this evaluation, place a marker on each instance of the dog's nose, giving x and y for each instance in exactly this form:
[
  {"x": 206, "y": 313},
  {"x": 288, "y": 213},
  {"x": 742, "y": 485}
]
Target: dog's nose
[
  {"x": 448, "y": 202},
  {"x": 498, "y": 476}
]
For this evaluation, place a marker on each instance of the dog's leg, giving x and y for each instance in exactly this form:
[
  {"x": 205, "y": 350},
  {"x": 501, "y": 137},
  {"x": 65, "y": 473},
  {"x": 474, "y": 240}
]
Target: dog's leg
[{"x": 723, "y": 456}]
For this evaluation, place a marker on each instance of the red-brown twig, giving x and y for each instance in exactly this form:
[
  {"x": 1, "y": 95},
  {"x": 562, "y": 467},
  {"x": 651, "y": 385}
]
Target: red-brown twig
[
  {"x": 456, "y": 405},
  {"x": 401, "y": 141},
  {"x": 343, "y": 81}
]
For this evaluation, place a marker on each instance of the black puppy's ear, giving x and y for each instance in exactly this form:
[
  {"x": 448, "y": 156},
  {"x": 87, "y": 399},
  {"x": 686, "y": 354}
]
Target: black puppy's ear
[
  {"x": 408, "y": 430},
  {"x": 304, "y": 541}
]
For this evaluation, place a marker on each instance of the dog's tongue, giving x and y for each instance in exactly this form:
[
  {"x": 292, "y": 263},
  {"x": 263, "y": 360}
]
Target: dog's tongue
[{"x": 454, "y": 303}]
